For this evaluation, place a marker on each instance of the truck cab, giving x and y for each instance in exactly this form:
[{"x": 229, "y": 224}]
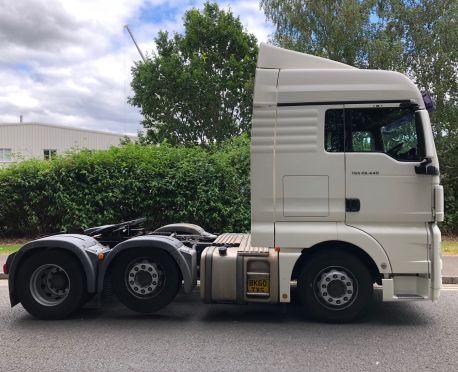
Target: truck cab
[{"x": 344, "y": 160}]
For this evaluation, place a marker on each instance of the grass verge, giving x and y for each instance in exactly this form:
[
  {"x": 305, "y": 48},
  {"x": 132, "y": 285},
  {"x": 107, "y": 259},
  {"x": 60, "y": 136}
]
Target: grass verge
[
  {"x": 9, "y": 248},
  {"x": 450, "y": 247}
]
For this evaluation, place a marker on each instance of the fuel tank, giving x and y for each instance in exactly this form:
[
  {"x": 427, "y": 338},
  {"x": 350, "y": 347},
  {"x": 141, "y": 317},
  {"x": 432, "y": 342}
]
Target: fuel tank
[{"x": 232, "y": 271}]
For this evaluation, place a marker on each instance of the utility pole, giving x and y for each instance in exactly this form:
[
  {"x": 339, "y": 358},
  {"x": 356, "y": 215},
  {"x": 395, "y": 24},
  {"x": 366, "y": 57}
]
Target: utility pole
[{"x": 133, "y": 39}]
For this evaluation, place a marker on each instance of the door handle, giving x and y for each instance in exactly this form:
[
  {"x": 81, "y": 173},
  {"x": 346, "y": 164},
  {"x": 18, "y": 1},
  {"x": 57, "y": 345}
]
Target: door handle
[{"x": 352, "y": 205}]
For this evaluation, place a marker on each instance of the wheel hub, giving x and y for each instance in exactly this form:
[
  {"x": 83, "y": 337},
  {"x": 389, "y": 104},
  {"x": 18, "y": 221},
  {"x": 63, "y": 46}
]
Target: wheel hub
[
  {"x": 49, "y": 285},
  {"x": 335, "y": 287},
  {"x": 58, "y": 281},
  {"x": 144, "y": 278}
]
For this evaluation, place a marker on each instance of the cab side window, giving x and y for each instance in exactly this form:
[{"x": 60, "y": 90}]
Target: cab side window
[
  {"x": 390, "y": 130},
  {"x": 362, "y": 141},
  {"x": 334, "y": 130}
]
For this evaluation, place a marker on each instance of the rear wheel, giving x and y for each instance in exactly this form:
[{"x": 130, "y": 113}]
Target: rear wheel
[
  {"x": 145, "y": 280},
  {"x": 51, "y": 285},
  {"x": 335, "y": 287}
]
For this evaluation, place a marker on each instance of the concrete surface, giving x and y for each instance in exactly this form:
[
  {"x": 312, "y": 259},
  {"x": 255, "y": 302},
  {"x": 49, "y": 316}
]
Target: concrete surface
[
  {"x": 191, "y": 336},
  {"x": 450, "y": 267}
]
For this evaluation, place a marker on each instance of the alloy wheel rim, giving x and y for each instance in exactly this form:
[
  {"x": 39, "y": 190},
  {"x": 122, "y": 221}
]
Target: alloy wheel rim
[
  {"x": 335, "y": 287},
  {"x": 144, "y": 278}
]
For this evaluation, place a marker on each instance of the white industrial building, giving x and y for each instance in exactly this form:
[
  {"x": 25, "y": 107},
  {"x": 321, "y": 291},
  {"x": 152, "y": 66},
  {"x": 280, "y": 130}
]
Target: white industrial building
[{"x": 20, "y": 141}]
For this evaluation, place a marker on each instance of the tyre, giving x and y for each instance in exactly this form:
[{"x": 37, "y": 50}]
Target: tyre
[
  {"x": 145, "y": 280},
  {"x": 335, "y": 287},
  {"x": 51, "y": 285}
]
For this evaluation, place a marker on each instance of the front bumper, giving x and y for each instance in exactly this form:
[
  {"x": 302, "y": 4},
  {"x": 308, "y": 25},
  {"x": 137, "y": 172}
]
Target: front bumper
[{"x": 420, "y": 286}]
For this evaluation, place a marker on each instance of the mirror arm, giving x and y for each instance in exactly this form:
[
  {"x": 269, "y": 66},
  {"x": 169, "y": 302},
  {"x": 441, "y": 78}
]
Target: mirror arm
[{"x": 425, "y": 167}]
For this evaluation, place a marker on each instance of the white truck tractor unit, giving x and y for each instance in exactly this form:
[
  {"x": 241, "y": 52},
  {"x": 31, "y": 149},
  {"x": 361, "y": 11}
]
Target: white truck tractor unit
[{"x": 345, "y": 193}]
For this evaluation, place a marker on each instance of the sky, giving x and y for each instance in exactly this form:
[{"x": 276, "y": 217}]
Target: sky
[{"x": 68, "y": 62}]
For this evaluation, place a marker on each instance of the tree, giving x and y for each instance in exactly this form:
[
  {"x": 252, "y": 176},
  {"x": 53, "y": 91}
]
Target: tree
[
  {"x": 415, "y": 37},
  {"x": 428, "y": 30},
  {"x": 197, "y": 87},
  {"x": 333, "y": 29}
]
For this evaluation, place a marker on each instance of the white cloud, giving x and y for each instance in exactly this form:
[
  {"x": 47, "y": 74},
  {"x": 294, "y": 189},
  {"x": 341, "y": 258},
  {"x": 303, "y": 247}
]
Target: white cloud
[
  {"x": 68, "y": 61},
  {"x": 252, "y": 17}
]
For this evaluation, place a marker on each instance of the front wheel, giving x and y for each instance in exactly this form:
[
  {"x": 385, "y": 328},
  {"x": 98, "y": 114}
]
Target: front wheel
[
  {"x": 335, "y": 287},
  {"x": 145, "y": 280}
]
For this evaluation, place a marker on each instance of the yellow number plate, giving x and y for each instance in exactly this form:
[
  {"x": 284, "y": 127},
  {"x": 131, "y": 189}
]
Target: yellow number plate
[{"x": 258, "y": 285}]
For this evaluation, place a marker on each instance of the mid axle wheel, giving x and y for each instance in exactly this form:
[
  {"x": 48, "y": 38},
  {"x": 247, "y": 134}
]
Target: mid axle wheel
[{"x": 145, "y": 280}]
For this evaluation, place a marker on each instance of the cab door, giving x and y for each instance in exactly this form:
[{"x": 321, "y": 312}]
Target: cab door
[
  {"x": 385, "y": 197},
  {"x": 384, "y": 143}
]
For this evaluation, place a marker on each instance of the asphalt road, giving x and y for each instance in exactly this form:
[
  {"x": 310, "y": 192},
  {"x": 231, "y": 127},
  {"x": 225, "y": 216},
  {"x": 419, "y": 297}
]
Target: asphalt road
[{"x": 189, "y": 335}]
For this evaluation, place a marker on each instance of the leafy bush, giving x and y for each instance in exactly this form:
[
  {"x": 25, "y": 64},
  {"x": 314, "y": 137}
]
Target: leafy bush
[{"x": 209, "y": 187}]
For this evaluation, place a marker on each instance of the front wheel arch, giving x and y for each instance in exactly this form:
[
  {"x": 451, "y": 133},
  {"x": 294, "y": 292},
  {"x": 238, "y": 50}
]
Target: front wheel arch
[{"x": 332, "y": 245}]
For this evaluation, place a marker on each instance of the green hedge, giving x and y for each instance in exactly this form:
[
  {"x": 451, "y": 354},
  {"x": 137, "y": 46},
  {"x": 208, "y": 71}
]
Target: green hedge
[{"x": 209, "y": 187}]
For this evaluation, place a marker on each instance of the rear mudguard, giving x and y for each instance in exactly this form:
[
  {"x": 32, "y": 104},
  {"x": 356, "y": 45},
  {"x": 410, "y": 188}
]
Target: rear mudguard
[
  {"x": 184, "y": 257},
  {"x": 83, "y": 247}
]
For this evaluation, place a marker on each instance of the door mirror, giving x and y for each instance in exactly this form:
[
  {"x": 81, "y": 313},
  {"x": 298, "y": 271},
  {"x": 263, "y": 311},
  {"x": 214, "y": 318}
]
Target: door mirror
[
  {"x": 425, "y": 167},
  {"x": 428, "y": 101}
]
